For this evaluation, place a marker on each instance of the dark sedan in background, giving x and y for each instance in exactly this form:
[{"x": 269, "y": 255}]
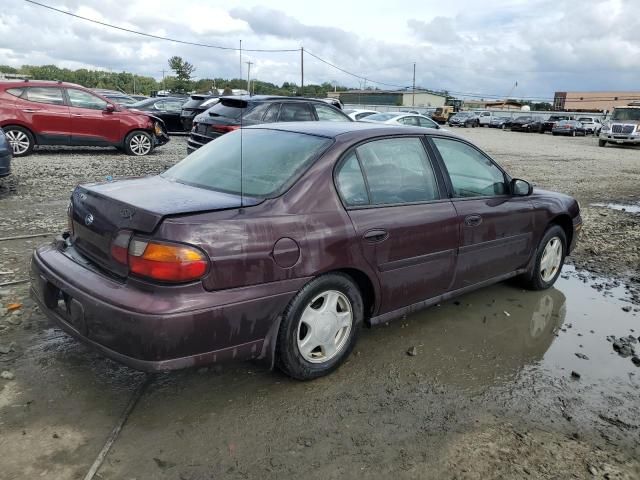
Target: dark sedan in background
[
  {"x": 500, "y": 122},
  {"x": 6, "y": 154},
  {"x": 195, "y": 105},
  {"x": 168, "y": 109},
  {"x": 569, "y": 127},
  {"x": 550, "y": 122},
  {"x": 526, "y": 123},
  {"x": 232, "y": 112},
  {"x": 465, "y": 119},
  {"x": 283, "y": 256}
]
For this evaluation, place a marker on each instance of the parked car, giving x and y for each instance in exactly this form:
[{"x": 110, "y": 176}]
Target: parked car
[
  {"x": 166, "y": 108},
  {"x": 569, "y": 127},
  {"x": 357, "y": 114},
  {"x": 549, "y": 123},
  {"x": 116, "y": 97},
  {"x": 283, "y": 256},
  {"x": 486, "y": 117},
  {"x": 500, "y": 122},
  {"x": 138, "y": 98},
  {"x": 464, "y": 119},
  {"x": 56, "y": 113},
  {"x": 526, "y": 123},
  {"x": 623, "y": 127},
  {"x": 232, "y": 112},
  {"x": 195, "y": 105},
  {"x": 397, "y": 118},
  {"x": 6, "y": 153},
  {"x": 591, "y": 124}
]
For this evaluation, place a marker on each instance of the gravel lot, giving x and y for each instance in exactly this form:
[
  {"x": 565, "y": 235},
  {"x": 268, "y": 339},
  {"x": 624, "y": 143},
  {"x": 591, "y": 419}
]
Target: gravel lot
[{"x": 505, "y": 384}]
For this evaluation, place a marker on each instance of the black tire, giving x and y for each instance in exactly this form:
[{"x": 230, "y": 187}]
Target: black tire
[
  {"x": 133, "y": 143},
  {"x": 554, "y": 134},
  {"x": 288, "y": 356},
  {"x": 602, "y": 143},
  {"x": 532, "y": 280},
  {"x": 14, "y": 131}
]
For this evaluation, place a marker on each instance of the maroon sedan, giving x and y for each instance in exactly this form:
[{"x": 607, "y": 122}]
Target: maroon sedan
[{"x": 278, "y": 242}]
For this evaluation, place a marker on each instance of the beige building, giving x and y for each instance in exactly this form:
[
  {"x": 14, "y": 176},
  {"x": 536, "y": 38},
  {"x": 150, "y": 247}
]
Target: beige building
[
  {"x": 403, "y": 98},
  {"x": 593, "y": 101}
]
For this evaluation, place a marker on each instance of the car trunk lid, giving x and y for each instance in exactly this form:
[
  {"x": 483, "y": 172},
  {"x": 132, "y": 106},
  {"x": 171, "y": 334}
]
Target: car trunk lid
[{"x": 100, "y": 211}]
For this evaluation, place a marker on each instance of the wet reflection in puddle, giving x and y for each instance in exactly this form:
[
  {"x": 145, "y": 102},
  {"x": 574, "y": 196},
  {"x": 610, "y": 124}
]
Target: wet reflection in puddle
[{"x": 629, "y": 208}]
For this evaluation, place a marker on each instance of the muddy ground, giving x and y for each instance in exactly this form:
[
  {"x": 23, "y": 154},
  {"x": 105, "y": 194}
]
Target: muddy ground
[{"x": 490, "y": 393}]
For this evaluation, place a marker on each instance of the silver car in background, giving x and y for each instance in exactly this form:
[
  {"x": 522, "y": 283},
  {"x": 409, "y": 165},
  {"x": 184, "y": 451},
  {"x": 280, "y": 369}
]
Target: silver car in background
[{"x": 401, "y": 118}]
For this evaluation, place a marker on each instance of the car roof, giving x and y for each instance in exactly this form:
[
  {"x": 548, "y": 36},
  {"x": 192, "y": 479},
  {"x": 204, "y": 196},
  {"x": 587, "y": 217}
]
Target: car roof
[
  {"x": 274, "y": 98},
  {"x": 352, "y": 129},
  {"x": 37, "y": 83}
]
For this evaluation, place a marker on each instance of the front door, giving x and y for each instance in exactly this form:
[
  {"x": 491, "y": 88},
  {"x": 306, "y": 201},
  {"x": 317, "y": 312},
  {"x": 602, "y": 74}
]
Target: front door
[
  {"x": 496, "y": 228},
  {"x": 91, "y": 123},
  {"x": 169, "y": 111},
  {"x": 407, "y": 228}
]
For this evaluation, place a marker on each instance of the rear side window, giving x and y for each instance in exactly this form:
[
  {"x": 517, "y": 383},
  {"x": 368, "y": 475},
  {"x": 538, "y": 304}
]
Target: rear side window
[
  {"x": 257, "y": 113},
  {"x": 295, "y": 112},
  {"x": 16, "y": 92},
  {"x": 350, "y": 182},
  {"x": 52, "y": 96},
  {"x": 234, "y": 113},
  {"x": 328, "y": 114},
  {"x": 413, "y": 121},
  {"x": 397, "y": 170},
  {"x": 272, "y": 113},
  {"x": 425, "y": 122}
]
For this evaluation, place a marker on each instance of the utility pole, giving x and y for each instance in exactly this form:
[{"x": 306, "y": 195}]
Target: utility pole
[
  {"x": 249, "y": 76},
  {"x": 302, "y": 71},
  {"x": 163, "y": 78},
  {"x": 413, "y": 95}
]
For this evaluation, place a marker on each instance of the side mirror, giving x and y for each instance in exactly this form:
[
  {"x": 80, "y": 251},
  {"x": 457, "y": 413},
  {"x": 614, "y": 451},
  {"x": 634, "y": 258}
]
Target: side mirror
[
  {"x": 110, "y": 108},
  {"x": 521, "y": 188}
]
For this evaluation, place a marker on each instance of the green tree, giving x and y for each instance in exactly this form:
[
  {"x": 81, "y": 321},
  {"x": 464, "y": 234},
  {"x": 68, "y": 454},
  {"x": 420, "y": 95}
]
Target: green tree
[{"x": 184, "y": 70}]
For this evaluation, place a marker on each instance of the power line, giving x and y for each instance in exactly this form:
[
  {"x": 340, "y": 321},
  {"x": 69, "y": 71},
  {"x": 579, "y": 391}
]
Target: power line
[{"x": 157, "y": 37}]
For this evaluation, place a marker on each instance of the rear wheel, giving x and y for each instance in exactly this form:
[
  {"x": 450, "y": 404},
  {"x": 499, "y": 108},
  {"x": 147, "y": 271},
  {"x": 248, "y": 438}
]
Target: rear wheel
[
  {"x": 20, "y": 139},
  {"x": 319, "y": 327},
  {"x": 138, "y": 143},
  {"x": 549, "y": 260}
]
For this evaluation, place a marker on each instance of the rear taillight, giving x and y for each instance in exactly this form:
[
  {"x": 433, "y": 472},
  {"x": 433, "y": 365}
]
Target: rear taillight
[
  {"x": 166, "y": 262},
  {"x": 159, "y": 260},
  {"x": 224, "y": 128}
]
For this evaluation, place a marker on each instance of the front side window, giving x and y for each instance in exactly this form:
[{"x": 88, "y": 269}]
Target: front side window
[
  {"x": 397, "y": 171},
  {"x": 295, "y": 112},
  {"x": 52, "y": 96},
  {"x": 472, "y": 174},
  {"x": 271, "y": 161},
  {"x": 328, "y": 114},
  {"x": 82, "y": 99},
  {"x": 351, "y": 182}
]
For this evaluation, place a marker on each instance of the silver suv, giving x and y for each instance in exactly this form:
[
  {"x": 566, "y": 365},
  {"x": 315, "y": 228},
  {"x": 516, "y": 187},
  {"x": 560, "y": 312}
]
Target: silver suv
[{"x": 623, "y": 126}]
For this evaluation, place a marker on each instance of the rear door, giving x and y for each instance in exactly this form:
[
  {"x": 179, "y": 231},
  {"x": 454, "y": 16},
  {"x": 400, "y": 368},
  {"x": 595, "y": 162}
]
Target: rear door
[
  {"x": 90, "y": 123},
  {"x": 45, "y": 111},
  {"x": 170, "y": 114},
  {"x": 408, "y": 230},
  {"x": 496, "y": 228}
]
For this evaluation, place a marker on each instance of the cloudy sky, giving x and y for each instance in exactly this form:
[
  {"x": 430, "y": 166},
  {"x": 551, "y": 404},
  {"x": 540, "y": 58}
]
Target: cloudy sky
[{"x": 464, "y": 46}]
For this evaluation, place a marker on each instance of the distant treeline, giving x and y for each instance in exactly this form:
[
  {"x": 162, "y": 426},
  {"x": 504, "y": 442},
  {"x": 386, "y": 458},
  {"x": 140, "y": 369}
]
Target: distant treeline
[{"x": 130, "y": 83}]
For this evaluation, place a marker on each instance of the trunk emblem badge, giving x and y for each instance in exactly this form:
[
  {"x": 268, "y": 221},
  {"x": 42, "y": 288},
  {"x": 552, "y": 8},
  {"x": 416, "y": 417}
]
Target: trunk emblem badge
[{"x": 88, "y": 220}]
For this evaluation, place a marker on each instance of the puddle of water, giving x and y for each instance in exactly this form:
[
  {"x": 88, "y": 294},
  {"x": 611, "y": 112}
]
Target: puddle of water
[{"x": 628, "y": 208}]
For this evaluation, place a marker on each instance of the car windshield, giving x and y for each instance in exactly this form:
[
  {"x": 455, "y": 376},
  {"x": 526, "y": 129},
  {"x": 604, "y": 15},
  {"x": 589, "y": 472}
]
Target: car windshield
[
  {"x": 626, "y": 114},
  {"x": 565, "y": 122},
  {"x": 271, "y": 161},
  {"x": 382, "y": 117},
  {"x": 143, "y": 103},
  {"x": 524, "y": 119},
  {"x": 585, "y": 119}
]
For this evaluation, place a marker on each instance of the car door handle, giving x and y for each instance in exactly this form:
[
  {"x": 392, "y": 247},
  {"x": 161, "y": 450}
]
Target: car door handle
[
  {"x": 376, "y": 235},
  {"x": 472, "y": 220},
  {"x": 77, "y": 115},
  {"x": 31, "y": 110}
]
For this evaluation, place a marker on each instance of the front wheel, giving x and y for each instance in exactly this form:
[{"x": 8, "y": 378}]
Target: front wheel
[
  {"x": 602, "y": 143},
  {"x": 549, "y": 260},
  {"x": 138, "y": 143},
  {"x": 319, "y": 327}
]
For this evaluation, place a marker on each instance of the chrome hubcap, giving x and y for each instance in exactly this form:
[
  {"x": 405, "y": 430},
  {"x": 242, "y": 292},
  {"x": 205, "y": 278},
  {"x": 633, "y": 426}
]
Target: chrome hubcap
[
  {"x": 324, "y": 327},
  {"x": 140, "y": 144},
  {"x": 551, "y": 259},
  {"x": 18, "y": 140}
]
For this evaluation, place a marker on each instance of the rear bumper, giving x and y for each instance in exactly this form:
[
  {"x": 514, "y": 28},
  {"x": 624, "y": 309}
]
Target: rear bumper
[{"x": 164, "y": 328}]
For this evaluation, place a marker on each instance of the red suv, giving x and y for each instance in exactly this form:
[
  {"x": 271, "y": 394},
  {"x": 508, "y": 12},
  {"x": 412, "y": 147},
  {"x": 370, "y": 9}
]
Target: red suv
[{"x": 56, "y": 113}]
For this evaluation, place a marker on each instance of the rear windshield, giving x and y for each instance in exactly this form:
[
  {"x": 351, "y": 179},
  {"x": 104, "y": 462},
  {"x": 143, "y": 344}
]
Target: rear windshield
[
  {"x": 585, "y": 119},
  {"x": 220, "y": 110},
  {"x": 382, "y": 117},
  {"x": 271, "y": 161}
]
